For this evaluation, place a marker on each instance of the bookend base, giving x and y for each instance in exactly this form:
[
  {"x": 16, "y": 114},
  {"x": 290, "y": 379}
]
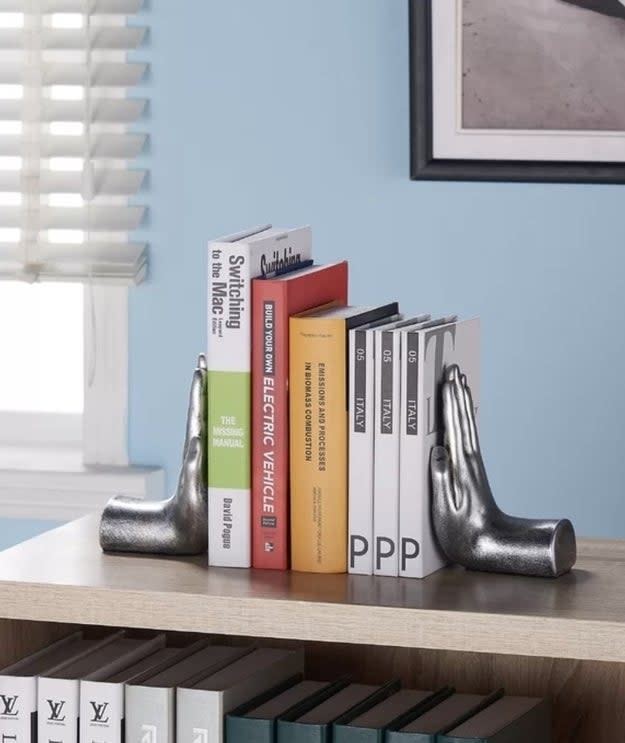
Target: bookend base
[{"x": 179, "y": 525}]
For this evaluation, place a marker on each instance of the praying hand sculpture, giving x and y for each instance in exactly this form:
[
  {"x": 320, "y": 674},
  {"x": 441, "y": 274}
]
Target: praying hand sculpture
[
  {"x": 179, "y": 525},
  {"x": 471, "y": 529}
]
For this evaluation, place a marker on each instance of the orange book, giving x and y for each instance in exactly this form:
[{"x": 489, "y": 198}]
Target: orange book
[
  {"x": 318, "y": 433},
  {"x": 273, "y": 301}
]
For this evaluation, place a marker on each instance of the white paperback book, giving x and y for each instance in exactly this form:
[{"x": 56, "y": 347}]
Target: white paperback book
[
  {"x": 102, "y": 700},
  {"x": 151, "y": 702},
  {"x": 58, "y": 693},
  {"x": 232, "y": 264},
  {"x": 361, "y": 388},
  {"x": 426, "y": 354},
  {"x": 386, "y": 448},
  {"x": 201, "y": 707},
  {"x": 18, "y": 687}
]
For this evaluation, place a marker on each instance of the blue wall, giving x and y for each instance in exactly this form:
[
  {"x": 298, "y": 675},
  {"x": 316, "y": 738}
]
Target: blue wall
[{"x": 296, "y": 113}]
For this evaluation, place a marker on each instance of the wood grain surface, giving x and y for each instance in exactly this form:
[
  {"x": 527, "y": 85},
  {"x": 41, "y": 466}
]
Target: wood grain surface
[{"x": 62, "y": 576}]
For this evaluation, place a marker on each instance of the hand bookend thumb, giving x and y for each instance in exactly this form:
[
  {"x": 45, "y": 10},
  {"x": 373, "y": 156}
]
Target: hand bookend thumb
[
  {"x": 471, "y": 529},
  {"x": 179, "y": 525}
]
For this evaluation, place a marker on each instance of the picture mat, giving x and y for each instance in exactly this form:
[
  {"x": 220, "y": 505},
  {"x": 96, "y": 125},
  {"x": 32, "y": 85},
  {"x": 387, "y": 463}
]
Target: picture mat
[{"x": 451, "y": 141}]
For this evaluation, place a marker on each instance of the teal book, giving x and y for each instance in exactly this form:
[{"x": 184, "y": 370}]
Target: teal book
[
  {"x": 316, "y": 724},
  {"x": 448, "y": 715},
  {"x": 394, "y": 711},
  {"x": 509, "y": 720},
  {"x": 256, "y": 722}
]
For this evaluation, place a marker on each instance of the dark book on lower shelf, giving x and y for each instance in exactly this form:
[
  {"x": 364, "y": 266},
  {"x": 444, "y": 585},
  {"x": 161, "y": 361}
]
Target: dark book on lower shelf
[
  {"x": 448, "y": 715},
  {"x": 315, "y": 725},
  {"x": 257, "y": 721},
  {"x": 509, "y": 720},
  {"x": 394, "y": 711}
]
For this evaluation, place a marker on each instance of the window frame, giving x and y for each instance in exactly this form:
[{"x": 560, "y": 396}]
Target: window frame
[{"x": 92, "y": 470}]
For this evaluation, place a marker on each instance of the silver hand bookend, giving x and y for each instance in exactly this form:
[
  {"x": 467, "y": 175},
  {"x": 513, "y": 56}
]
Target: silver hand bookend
[
  {"x": 179, "y": 525},
  {"x": 471, "y": 529}
]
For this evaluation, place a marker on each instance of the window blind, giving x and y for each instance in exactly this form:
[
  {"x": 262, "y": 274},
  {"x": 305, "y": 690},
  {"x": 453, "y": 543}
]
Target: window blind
[{"x": 68, "y": 136}]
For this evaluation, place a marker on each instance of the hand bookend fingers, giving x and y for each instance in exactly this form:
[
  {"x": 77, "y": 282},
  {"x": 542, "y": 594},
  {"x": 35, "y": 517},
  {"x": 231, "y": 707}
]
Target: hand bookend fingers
[
  {"x": 442, "y": 487},
  {"x": 478, "y": 535},
  {"x": 451, "y": 420},
  {"x": 469, "y": 412},
  {"x": 195, "y": 414},
  {"x": 179, "y": 525},
  {"x": 462, "y": 416}
]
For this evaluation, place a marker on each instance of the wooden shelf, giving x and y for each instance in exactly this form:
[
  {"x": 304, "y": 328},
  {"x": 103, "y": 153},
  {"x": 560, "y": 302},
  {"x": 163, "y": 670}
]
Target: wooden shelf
[{"x": 62, "y": 576}]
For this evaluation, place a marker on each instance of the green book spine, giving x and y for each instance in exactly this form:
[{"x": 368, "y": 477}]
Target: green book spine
[
  {"x": 296, "y": 732},
  {"x": 347, "y": 734},
  {"x": 249, "y": 730},
  {"x": 396, "y": 736}
]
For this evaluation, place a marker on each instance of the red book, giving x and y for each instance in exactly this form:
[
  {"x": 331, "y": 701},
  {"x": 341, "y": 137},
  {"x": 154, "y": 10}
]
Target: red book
[{"x": 273, "y": 301}]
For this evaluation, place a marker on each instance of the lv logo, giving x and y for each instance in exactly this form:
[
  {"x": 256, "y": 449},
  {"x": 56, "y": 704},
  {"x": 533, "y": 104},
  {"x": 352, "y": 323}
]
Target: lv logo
[
  {"x": 56, "y": 710},
  {"x": 99, "y": 710},
  {"x": 9, "y": 706}
]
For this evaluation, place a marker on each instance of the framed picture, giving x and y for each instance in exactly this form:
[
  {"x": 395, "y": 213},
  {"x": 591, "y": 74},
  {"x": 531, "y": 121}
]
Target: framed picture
[{"x": 518, "y": 90}]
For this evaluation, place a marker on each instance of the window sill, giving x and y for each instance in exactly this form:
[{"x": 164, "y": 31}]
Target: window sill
[{"x": 46, "y": 483}]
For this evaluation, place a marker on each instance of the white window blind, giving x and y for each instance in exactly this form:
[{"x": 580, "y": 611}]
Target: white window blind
[{"x": 67, "y": 140}]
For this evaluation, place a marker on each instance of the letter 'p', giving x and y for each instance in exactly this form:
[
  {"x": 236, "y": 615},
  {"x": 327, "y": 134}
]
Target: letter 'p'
[
  {"x": 358, "y": 546},
  {"x": 384, "y": 547},
  {"x": 409, "y": 550}
]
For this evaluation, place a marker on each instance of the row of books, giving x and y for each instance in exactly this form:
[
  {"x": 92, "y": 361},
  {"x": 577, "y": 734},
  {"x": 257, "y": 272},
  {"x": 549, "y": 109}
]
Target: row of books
[
  {"x": 121, "y": 688},
  {"x": 345, "y": 712},
  {"x": 321, "y": 415}
]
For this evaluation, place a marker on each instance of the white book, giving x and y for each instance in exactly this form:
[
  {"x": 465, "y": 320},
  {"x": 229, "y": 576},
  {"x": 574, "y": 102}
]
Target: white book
[
  {"x": 386, "y": 448},
  {"x": 102, "y": 700},
  {"x": 361, "y": 388},
  {"x": 427, "y": 352},
  {"x": 18, "y": 687},
  {"x": 58, "y": 693},
  {"x": 201, "y": 708},
  {"x": 151, "y": 703},
  {"x": 232, "y": 264}
]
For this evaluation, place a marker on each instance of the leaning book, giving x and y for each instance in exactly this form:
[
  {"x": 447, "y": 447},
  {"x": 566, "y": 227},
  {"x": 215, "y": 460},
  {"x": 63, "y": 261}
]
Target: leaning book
[{"x": 232, "y": 264}]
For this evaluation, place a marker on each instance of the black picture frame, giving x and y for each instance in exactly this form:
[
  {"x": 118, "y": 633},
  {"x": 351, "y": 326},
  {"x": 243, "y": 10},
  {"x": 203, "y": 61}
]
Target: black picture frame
[{"x": 423, "y": 164}]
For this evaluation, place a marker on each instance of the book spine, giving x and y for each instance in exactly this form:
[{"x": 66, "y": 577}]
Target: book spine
[
  {"x": 396, "y": 736},
  {"x": 361, "y": 416},
  {"x": 101, "y": 712},
  {"x": 150, "y": 715},
  {"x": 414, "y": 503},
  {"x": 18, "y": 709},
  {"x": 295, "y": 732},
  {"x": 270, "y": 463},
  {"x": 199, "y": 716},
  {"x": 229, "y": 444},
  {"x": 386, "y": 443},
  {"x": 347, "y": 734},
  {"x": 200, "y": 712},
  {"x": 249, "y": 730},
  {"x": 318, "y": 431},
  {"x": 58, "y": 706},
  {"x": 441, "y": 346}
]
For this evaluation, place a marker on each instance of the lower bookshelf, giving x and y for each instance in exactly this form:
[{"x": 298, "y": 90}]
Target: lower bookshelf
[{"x": 562, "y": 639}]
